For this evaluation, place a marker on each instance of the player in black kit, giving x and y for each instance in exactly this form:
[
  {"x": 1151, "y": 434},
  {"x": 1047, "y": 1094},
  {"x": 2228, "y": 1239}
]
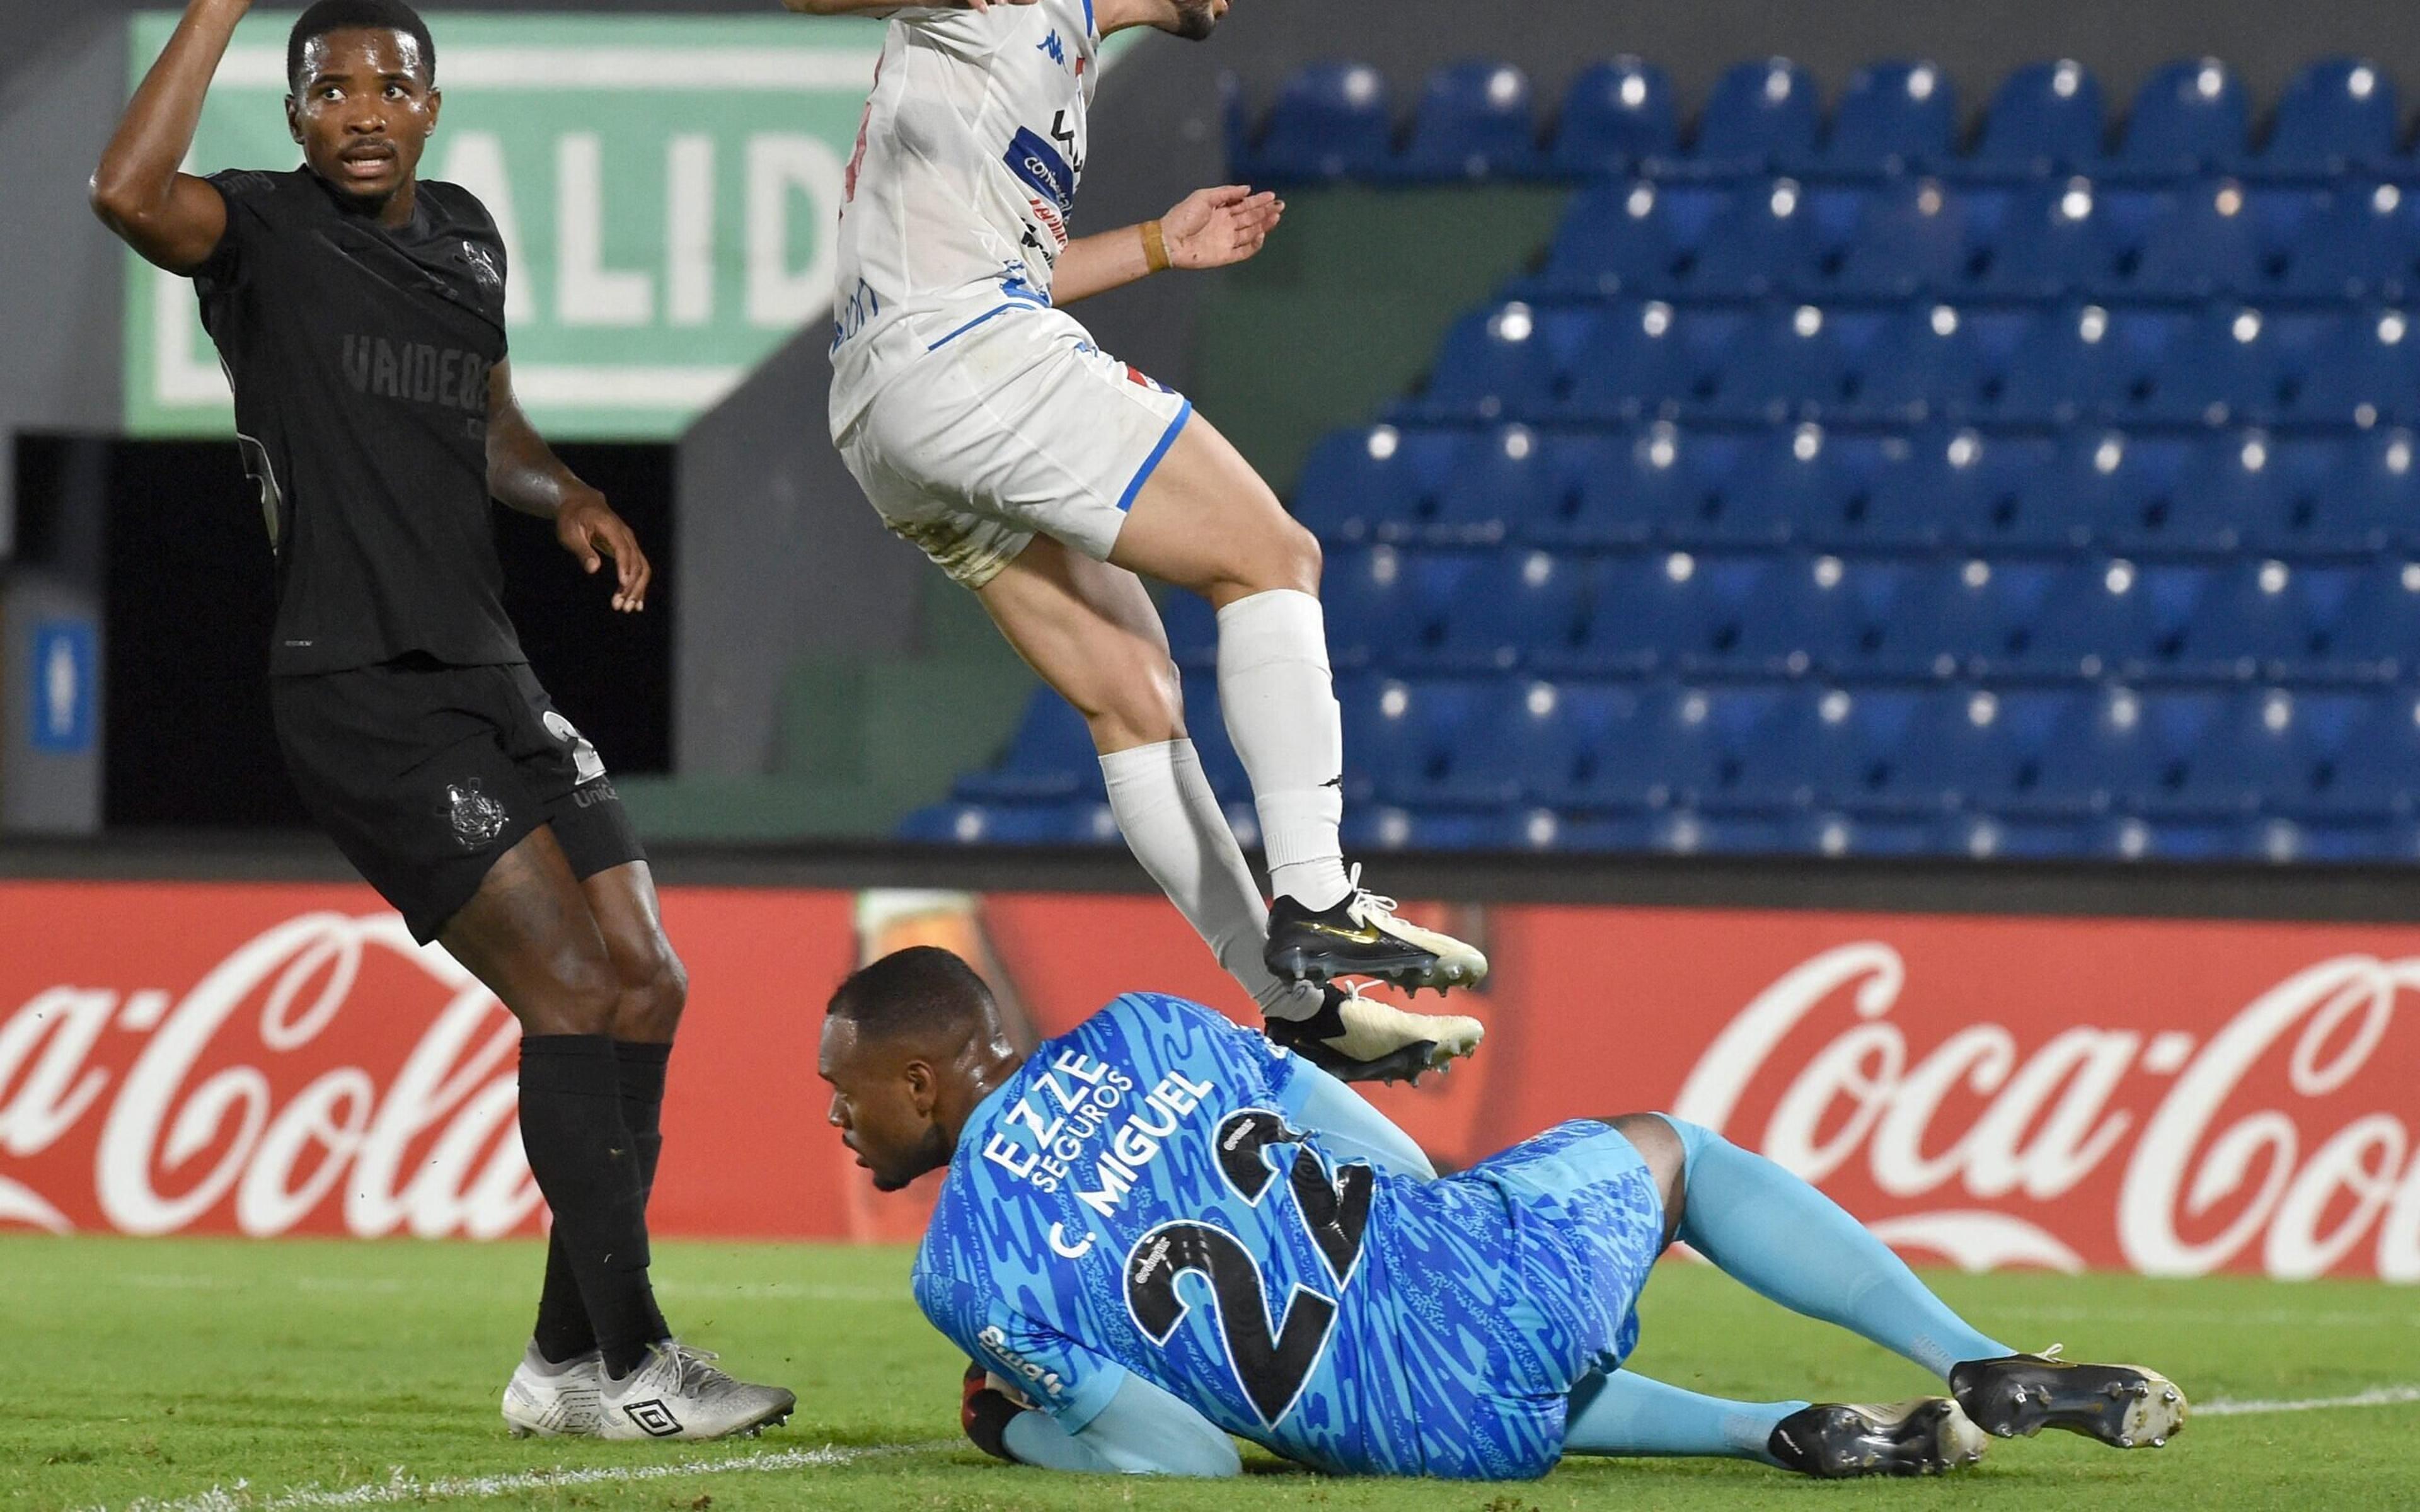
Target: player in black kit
[{"x": 359, "y": 316}]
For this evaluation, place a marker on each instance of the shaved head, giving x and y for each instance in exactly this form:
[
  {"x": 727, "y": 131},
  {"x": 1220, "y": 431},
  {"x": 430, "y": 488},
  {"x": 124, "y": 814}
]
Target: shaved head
[{"x": 910, "y": 1045}]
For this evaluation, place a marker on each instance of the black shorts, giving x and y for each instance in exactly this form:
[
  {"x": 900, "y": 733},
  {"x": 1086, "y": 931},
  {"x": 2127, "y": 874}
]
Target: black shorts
[{"x": 424, "y": 774}]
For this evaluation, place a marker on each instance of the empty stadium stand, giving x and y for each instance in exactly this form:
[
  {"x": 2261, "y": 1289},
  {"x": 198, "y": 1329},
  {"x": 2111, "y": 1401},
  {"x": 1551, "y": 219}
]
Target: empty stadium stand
[{"x": 1860, "y": 482}]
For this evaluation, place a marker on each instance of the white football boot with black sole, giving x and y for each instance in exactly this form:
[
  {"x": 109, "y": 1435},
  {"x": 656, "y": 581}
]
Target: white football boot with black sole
[
  {"x": 1358, "y": 1039},
  {"x": 1834, "y": 1441}
]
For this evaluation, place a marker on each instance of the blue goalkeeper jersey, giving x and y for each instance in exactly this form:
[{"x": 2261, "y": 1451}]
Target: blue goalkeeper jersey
[{"x": 1137, "y": 1198}]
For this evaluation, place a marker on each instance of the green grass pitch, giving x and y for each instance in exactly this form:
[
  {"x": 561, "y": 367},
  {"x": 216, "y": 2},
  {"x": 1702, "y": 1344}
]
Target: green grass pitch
[{"x": 209, "y": 1376}]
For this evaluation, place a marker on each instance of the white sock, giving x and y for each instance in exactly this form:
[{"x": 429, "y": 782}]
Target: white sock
[
  {"x": 1172, "y": 824},
  {"x": 1279, "y": 701}
]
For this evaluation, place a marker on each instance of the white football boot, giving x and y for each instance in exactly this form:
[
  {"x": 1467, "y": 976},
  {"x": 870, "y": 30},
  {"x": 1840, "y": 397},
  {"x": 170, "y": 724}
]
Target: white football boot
[
  {"x": 556, "y": 1401},
  {"x": 1359, "y": 1039},
  {"x": 678, "y": 1394}
]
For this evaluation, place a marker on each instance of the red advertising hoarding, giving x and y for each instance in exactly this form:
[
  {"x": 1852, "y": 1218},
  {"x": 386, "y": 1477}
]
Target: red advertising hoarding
[{"x": 2172, "y": 1097}]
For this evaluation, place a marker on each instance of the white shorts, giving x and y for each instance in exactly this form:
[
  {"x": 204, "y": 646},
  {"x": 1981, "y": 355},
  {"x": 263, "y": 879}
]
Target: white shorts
[{"x": 1012, "y": 425}]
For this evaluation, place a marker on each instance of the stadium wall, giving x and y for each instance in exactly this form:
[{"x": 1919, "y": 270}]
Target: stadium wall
[{"x": 2172, "y": 1096}]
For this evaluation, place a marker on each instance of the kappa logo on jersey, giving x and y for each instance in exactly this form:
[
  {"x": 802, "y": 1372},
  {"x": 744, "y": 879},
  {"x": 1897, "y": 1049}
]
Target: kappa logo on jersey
[
  {"x": 477, "y": 818},
  {"x": 1052, "y": 45},
  {"x": 1041, "y": 166}
]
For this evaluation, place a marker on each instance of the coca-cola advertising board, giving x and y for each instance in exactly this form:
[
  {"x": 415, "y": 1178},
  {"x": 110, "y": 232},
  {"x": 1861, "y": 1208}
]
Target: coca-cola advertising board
[{"x": 2170, "y": 1097}]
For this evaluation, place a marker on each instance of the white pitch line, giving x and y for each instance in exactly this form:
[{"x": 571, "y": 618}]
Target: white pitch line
[
  {"x": 2375, "y": 1396},
  {"x": 403, "y": 1487}
]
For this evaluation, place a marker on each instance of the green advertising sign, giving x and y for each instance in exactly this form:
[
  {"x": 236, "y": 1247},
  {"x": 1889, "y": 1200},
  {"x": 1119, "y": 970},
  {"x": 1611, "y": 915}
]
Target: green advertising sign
[{"x": 667, "y": 188}]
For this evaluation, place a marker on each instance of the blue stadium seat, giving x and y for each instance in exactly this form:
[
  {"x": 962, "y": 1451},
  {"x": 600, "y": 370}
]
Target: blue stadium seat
[
  {"x": 2377, "y": 633},
  {"x": 2377, "y": 488},
  {"x": 1868, "y": 486},
  {"x": 2364, "y": 750},
  {"x": 2366, "y": 372},
  {"x": 2055, "y": 240},
  {"x": 1910, "y": 237},
  {"x": 2364, "y": 244},
  {"x": 1356, "y": 478},
  {"x": 1501, "y": 482},
  {"x": 1811, "y": 615},
  {"x": 1386, "y": 603},
  {"x": 1329, "y": 122},
  {"x": 1403, "y": 736},
  {"x": 1739, "y": 724},
  {"x": 1617, "y": 115},
  {"x": 1632, "y": 490},
  {"x": 2047, "y": 117},
  {"x": 1893, "y": 116},
  {"x": 1476, "y": 120},
  {"x": 1636, "y": 239},
  {"x": 1051, "y": 758},
  {"x": 1785, "y": 482},
  {"x": 2101, "y": 757},
  {"x": 1760, "y": 115},
  {"x": 1963, "y": 617},
  {"x": 1763, "y": 239},
  {"x": 2161, "y": 369},
  {"x": 1790, "y": 363},
  {"x": 2226, "y": 490},
  {"x": 2282, "y": 495},
  {"x": 2203, "y": 241},
  {"x": 2337, "y": 115},
  {"x": 1011, "y": 823},
  {"x": 2224, "y": 364},
  {"x": 1854, "y": 749},
  {"x": 1511, "y": 607},
  {"x": 1207, "y": 726},
  {"x": 1651, "y": 360},
  {"x": 1500, "y": 363},
  {"x": 1932, "y": 488},
  {"x": 1528, "y": 743},
  {"x": 1642, "y": 746},
  {"x": 2177, "y": 600},
  {"x": 2095, "y": 620},
  {"x": 1192, "y": 628},
  {"x": 2189, "y": 116},
  {"x": 2273, "y": 619},
  {"x": 1649, "y": 611},
  {"x": 1922, "y": 362},
  {"x": 2065, "y": 368},
  {"x": 1979, "y": 748}
]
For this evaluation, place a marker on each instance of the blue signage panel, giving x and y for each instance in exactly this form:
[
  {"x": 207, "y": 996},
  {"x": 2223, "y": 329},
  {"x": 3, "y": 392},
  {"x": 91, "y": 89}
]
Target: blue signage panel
[{"x": 64, "y": 678}]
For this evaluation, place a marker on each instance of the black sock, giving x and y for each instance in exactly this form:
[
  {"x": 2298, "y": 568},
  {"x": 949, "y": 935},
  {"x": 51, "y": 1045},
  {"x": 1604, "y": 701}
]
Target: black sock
[
  {"x": 563, "y": 1329},
  {"x": 587, "y": 1162}
]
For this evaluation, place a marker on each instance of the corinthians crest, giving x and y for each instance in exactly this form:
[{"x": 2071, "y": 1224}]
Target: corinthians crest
[{"x": 479, "y": 818}]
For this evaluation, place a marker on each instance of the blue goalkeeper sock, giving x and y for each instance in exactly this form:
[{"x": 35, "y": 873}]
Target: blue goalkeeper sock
[
  {"x": 1777, "y": 1234},
  {"x": 1623, "y": 1414}
]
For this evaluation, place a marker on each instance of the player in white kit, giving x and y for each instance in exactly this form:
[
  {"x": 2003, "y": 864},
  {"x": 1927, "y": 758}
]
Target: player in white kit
[{"x": 1044, "y": 474}]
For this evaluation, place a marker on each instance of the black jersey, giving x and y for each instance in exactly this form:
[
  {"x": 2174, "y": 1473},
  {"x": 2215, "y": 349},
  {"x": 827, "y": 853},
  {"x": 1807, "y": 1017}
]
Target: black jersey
[{"x": 360, "y": 358}]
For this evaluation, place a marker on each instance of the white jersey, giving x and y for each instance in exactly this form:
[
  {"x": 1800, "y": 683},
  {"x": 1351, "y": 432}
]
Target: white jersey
[{"x": 962, "y": 182}]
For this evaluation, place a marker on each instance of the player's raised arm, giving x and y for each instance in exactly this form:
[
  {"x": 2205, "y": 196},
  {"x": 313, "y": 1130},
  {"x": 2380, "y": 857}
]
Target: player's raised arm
[
  {"x": 1208, "y": 228},
  {"x": 172, "y": 218},
  {"x": 523, "y": 474}
]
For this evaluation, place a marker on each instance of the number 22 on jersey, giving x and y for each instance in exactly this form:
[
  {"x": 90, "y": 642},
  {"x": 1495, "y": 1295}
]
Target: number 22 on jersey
[{"x": 1271, "y": 1360}]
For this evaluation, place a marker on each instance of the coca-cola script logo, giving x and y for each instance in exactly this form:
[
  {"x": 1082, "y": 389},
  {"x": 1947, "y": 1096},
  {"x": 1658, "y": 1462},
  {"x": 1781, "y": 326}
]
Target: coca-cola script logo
[
  {"x": 330, "y": 1074},
  {"x": 2262, "y": 1144}
]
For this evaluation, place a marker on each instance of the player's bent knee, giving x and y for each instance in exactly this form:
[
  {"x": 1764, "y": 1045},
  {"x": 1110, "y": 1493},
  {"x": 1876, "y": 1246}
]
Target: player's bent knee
[
  {"x": 652, "y": 1004},
  {"x": 1137, "y": 701}
]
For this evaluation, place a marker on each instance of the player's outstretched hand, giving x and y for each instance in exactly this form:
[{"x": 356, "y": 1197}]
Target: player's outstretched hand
[
  {"x": 589, "y": 530},
  {"x": 1214, "y": 227}
]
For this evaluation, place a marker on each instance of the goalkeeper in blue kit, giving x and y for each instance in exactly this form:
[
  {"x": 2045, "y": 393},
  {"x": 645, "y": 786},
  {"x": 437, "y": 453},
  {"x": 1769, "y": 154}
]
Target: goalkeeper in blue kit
[{"x": 1159, "y": 1229}]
